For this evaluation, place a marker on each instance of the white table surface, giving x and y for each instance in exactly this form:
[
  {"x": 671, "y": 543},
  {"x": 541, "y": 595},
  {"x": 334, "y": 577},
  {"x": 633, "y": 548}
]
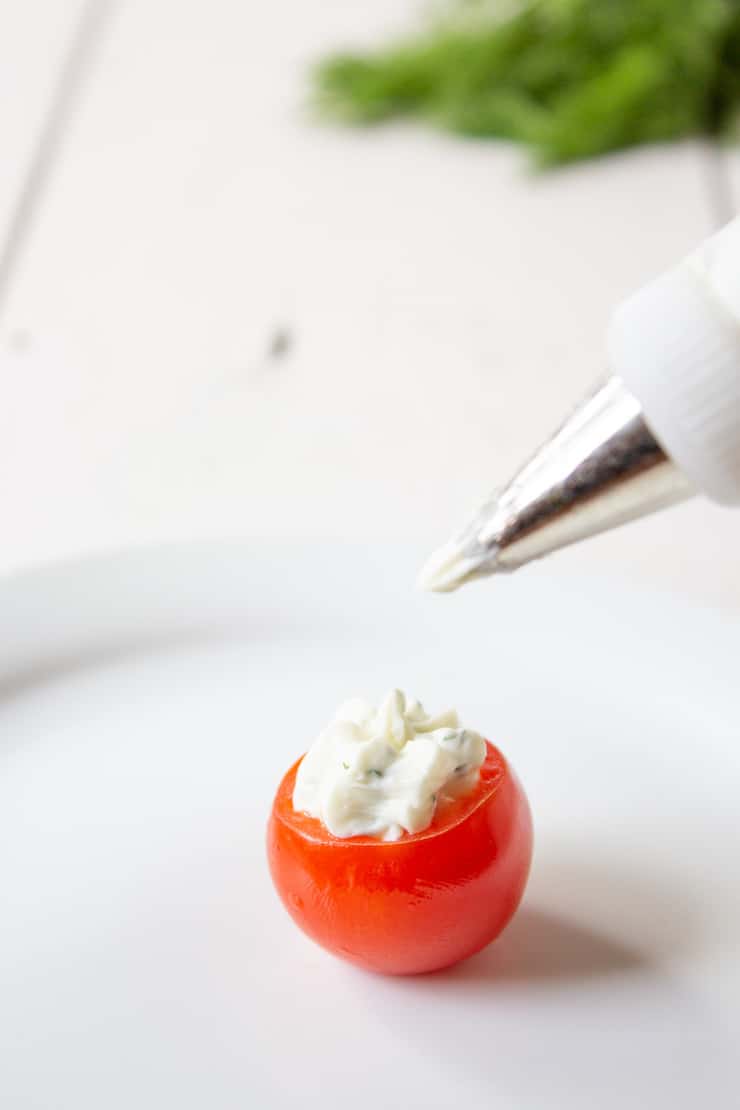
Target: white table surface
[{"x": 444, "y": 306}]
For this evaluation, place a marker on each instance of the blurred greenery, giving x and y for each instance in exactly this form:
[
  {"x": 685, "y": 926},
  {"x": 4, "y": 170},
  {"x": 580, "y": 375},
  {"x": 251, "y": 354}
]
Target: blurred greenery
[{"x": 570, "y": 79}]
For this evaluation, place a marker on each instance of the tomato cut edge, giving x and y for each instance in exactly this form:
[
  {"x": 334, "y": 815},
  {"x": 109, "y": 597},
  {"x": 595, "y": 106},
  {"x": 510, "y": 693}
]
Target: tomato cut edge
[{"x": 493, "y": 770}]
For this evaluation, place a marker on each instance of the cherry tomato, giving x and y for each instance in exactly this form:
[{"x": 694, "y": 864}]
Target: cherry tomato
[{"x": 416, "y": 904}]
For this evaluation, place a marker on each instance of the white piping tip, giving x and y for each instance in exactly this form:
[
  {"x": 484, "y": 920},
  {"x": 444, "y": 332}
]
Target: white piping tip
[
  {"x": 452, "y": 566},
  {"x": 465, "y": 557}
]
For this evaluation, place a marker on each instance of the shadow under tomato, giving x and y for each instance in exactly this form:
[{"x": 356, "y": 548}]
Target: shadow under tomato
[
  {"x": 541, "y": 945},
  {"x": 594, "y": 919}
]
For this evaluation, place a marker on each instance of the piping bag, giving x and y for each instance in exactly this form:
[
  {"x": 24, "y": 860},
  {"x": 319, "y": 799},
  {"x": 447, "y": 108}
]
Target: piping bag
[{"x": 662, "y": 426}]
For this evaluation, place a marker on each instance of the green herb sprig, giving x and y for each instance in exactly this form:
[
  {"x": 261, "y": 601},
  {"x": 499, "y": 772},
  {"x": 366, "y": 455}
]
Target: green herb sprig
[{"x": 570, "y": 79}]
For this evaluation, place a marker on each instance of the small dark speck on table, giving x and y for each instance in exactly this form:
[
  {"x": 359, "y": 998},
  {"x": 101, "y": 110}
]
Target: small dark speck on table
[{"x": 281, "y": 343}]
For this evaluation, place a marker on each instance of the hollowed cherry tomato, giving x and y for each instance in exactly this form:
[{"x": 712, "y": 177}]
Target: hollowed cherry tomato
[{"x": 416, "y": 904}]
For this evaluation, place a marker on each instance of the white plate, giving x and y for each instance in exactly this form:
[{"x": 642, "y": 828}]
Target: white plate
[{"x": 150, "y": 702}]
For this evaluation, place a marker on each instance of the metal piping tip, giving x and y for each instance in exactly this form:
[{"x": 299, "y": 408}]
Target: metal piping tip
[{"x": 603, "y": 468}]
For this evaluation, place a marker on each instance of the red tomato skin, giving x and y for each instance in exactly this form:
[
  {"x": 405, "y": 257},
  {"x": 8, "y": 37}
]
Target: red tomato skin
[{"x": 413, "y": 905}]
